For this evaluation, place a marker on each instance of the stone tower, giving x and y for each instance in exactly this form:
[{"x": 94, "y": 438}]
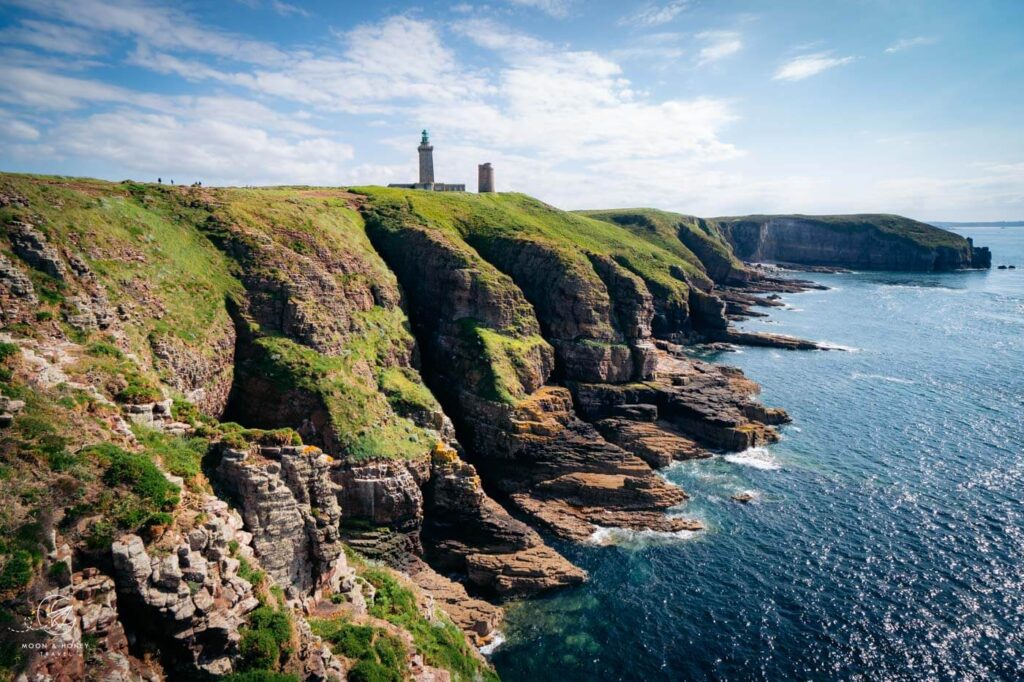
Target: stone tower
[
  {"x": 426, "y": 151},
  {"x": 485, "y": 178}
]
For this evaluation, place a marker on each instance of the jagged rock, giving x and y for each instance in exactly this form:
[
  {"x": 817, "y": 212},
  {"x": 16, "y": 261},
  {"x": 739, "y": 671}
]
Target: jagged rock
[
  {"x": 290, "y": 506},
  {"x": 92, "y": 601},
  {"x": 31, "y": 246},
  {"x": 472, "y": 535},
  {"x": 206, "y": 377},
  {"x": 192, "y": 598},
  {"x": 705, "y": 402},
  {"x": 657, "y": 444},
  {"x": 17, "y": 295},
  {"x": 477, "y": 618},
  {"x": 382, "y": 505}
]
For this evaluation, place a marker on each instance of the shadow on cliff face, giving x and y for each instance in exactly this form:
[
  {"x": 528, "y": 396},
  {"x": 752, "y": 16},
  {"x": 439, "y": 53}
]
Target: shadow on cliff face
[{"x": 261, "y": 397}]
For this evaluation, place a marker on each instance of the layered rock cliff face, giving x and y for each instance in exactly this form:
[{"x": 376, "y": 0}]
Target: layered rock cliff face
[
  {"x": 868, "y": 242},
  {"x": 231, "y": 418}
]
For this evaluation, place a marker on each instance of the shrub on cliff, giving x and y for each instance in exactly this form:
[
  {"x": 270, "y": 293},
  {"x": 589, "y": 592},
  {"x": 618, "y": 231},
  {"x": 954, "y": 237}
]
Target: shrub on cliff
[
  {"x": 266, "y": 639},
  {"x": 441, "y": 643},
  {"x": 378, "y": 656}
]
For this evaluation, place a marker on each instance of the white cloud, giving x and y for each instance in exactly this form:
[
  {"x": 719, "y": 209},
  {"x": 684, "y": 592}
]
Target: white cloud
[
  {"x": 907, "y": 43},
  {"x": 52, "y": 37},
  {"x": 218, "y": 151},
  {"x": 555, "y": 8},
  {"x": 808, "y": 65},
  {"x": 285, "y": 9},
  {"x": 14, "y": 128},
  {"x": 565, "y": 107},
  {"x": 718, "y": 45},
  {"x": 655, "y": 14},
  {"x": 658, "y": 49},
  {"x": 44, "y": 90},
  {"x": 157, "y": 25}
]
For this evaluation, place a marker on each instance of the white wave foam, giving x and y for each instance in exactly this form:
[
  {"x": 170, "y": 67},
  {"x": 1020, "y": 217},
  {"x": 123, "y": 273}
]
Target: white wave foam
[
  {"x": 757, "y": 458},
  {"x": 627, "y": 537},
  {"x": 882, "y": 377},
  {"x": 496, "y": 641},
  {"x": 828, "y": 345}
]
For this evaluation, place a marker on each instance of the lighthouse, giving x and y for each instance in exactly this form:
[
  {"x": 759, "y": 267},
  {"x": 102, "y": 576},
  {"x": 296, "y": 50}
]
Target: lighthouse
[{"x": 426, "y": 151}]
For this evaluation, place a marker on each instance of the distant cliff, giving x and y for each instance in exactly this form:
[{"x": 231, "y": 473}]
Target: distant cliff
[{"x": 869, "y": 242}]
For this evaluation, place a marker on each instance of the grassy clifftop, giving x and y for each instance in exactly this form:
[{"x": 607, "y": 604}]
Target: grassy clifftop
[
  {"x": 690, "y": 238},
  {"x": 897, "y": 226}
]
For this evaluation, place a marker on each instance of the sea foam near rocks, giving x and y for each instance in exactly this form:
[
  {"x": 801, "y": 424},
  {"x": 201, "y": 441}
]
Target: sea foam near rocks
[
  {"x": 637, "y": 539},
  {"x": 757, "y": 458}
]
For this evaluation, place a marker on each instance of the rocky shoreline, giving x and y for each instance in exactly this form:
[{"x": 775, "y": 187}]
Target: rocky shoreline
[{"x": 275, "y": 420}]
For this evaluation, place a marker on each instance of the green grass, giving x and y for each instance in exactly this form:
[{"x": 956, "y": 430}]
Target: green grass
[
  {"x": 143, "y": 246},
  {"x": 484, "y": 218},
  {"x": 136, "y": 493},
  {"x": 441, "y": 643},
  {"x": 364, "y": 422},
  {"x": 178, "y": 455},
  {"x": 265, "y": 641},
  {"x": 692, "y": 239},
  {"x": 378, "y": 655},
  {"x": 405, "y": 391},
  {"x": 505, "y": 358}
]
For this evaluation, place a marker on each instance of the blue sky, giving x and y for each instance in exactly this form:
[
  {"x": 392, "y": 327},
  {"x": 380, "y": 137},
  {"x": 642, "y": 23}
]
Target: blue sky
[{"x": 700, "y": 106}]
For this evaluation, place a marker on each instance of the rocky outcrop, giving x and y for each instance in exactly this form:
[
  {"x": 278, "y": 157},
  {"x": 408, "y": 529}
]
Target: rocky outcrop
[
  {"x": 382, "y": 508},
  {"x": 89, "y": 641},
  {"x": 470, "y": 534},
  {"x": 867, "y": 242},
  {"x": 17, "y": 295},
  {"x": 290, "y": 507},
  {"x": 703, "y": 404},
  {"x": 192, "y": 598},
  {"x": 528, "y": 441},
  {"x": 158, "y": 415},
  {"x": 32, "y": 247}
]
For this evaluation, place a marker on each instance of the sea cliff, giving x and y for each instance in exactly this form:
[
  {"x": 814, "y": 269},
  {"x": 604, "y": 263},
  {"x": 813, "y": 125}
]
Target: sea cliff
[{"x": 310, "y": 433}]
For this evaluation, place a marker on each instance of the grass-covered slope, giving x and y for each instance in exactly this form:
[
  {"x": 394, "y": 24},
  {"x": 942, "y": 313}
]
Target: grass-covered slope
[
  {"x": 182, "y": 277},
  {"x": 321, "y": 324},
  {"x": 885, "y": 223},
  {"x": 693, "y": 239},
  {"x": 116, "y": 296},
  {"x": 550, "y": 256},
  {"x": 136, "y": 271}
]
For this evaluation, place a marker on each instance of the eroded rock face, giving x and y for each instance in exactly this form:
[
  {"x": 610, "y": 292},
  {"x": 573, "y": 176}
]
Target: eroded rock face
[
  {"x": 846, "y": 241},
  {"x": 526, "y": 448},
  {"x": 32, "y": 247},
  {"x": 192, "y": 598},
  {"x": 382, "y": 507},
  {"x": 469, "y": 533},
  {"x": 709, "y": 404},
  {"x": 17, "y": 295},
  {"x": 92, "y": 599},
  {"x": 290, "y": 506}
]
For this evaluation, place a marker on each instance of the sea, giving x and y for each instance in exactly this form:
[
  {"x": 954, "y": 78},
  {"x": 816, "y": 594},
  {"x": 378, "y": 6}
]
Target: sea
[{"x": 885, "y": 537}]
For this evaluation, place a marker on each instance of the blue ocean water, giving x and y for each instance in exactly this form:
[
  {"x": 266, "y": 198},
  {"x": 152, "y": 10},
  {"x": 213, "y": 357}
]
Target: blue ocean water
[{"x": 886, "y": 541}]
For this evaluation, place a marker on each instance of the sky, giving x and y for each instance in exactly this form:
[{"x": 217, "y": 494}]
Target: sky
[{"x": 706, "y": 107}]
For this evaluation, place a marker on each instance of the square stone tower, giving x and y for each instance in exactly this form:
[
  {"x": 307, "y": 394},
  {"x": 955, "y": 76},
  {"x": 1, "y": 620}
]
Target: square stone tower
[
  {"x": 485, "y": 178},
  {"x": 426, "y": 151}
]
